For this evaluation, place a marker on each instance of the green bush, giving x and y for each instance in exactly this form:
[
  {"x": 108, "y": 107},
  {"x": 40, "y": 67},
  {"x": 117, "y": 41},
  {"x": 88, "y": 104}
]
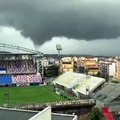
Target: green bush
[{"x": 95, "y": 114}]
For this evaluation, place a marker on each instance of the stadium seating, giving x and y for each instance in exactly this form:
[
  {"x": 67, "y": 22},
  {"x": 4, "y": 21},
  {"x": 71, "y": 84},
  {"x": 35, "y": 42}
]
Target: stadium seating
[
  {"x": 17, "y": 66},
  {"x": 2, "y": 64},
  {"x": 32, "y": 78},
  {"x": 21, "y": 72},
  {"x": 21, "y": 66},
  {"x": 19, "y": 79},
  {"x": 31, "y": 66}
]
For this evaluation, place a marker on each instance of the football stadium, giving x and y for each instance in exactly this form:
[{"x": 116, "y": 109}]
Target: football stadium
[
  {"x": 22, "y": 84},
  {"x": 21, "y": 77}
]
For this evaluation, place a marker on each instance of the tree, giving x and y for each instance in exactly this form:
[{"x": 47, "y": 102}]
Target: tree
[
  {"x": 95, "y": 114},
  {"x": 99, "y": 74},
  {"x": 51, "y": 71}
]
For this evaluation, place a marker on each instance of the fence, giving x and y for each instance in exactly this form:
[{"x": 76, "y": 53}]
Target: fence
[{"x": 53, "y": 104}]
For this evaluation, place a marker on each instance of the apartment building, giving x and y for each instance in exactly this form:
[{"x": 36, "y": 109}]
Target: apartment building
[
  {"x": 66, "y": 64},
  {"x": 107, "y": 68},
  {"x": 117, "y": 72},
  {"x": 90, "y": 65}
]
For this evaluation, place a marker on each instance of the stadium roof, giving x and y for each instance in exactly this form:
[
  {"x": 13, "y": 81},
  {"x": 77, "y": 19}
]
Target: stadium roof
[
  {"x": 80, "y": 81},
  {"x": 69, "y": 79},
  {"x": 90, "y": 83},
  {"x": 108, "y": 93},
  {"x": 18, "y": 48},
  {"x": 13, "y": 114},
  {"x": 9, "y": 53}
]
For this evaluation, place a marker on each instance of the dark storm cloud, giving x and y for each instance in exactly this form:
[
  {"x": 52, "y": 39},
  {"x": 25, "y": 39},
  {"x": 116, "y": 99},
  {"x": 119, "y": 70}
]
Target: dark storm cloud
[{"x": 79, "y": 19}]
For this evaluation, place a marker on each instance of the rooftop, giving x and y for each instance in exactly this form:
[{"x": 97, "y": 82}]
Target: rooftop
[
  {"x": 13, "y": 114},
  {"x": 69, "y": 79},
  {"x": 90, "y": 83},
  {"x": 79, "y": 81},
  {"x": 109, "y": 93}
]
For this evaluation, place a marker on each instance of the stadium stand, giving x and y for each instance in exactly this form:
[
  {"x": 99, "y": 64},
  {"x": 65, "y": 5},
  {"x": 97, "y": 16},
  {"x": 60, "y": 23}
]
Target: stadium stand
[
  {"x": 80, "y": 84},
  {"x": 2, "y": 64},
  {"x": 31, "y": 66},
  {"x": 19, "y": 79},
  {"x": 18, "y": 71},
  {"x": 16, "y": 67},
  {"x": 91, "y": 82},
  {"x": 32, "y": 78},
  {"x": 69, "y": 79},
  {"x": 19, "y": 65}
]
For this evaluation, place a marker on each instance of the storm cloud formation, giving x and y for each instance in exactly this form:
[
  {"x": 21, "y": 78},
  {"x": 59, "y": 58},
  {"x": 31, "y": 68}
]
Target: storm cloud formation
[{"x": 79, "y": 19}]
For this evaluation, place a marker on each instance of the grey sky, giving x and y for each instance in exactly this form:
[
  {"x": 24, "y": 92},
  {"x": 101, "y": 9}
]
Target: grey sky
[
  {"x": 84, "y": 22},
  {"x": 70, "y": 46}
]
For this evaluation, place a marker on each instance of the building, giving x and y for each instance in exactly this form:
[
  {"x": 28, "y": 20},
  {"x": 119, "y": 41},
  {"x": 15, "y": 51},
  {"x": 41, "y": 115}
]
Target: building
[
  {"x": 45, "y": 114},
  {"x": 107, "y": 68},
  {"x": 66, "y": 64},
  {"x": 90, "y": 66},
  {"x": 45, "y": 62},
  {"x": 112, "y": 68},
  {"x": 80, "y": 84},
  {"x": 117, "y": 73},
  {"x": 108, "y": 96},
  {"x": 88, "y": 85}
]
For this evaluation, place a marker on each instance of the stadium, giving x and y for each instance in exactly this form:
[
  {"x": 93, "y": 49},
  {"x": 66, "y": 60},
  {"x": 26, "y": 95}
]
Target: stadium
[
  {"x": 19, "y": 69},
  {"x": 22, "y": 84},
  {"x": 21, "y": 73}
]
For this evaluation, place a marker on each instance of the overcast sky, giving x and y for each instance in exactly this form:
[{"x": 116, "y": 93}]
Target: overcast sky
[{"x": 80, "y": 26}]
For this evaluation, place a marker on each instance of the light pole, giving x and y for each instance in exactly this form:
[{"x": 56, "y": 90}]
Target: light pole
[
  {"x": 6, "y": 98},
  {"x": 59, "y": 48},
  {"x": 87, "y": 91}
]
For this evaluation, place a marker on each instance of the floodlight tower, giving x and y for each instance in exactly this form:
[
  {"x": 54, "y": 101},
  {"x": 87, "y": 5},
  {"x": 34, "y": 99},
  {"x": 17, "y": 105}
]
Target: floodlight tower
[{"x": 59, "y": 48}]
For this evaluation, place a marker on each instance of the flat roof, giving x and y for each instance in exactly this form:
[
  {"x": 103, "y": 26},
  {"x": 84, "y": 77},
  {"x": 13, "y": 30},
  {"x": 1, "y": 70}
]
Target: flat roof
[
  {"x": 56, "y": 116},
  {"x": 7, "y": 114},
  {"x": 69, "y": 79},
  {"x": 13, "y": 114},
  {"x": 108, "y": 93},
  {"x": 91, "y": 83},
  {"x": 79, "y": 81}
]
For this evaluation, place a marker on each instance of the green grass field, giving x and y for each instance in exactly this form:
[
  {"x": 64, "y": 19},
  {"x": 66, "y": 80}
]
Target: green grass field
[{"x": 35, "y": 94}]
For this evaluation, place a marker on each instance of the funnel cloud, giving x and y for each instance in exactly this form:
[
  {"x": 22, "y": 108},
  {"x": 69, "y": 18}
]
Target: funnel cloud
[{"x": 41, "y": 20}]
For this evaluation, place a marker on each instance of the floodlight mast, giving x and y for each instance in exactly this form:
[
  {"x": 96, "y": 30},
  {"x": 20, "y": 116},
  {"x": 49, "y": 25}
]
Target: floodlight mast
[{"x": 59, "y": 48}]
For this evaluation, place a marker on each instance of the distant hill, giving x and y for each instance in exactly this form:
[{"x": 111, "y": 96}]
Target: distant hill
[
  {"x": 74, "y": 55},
  {"x": 66, "y": 55},
  {"x": 4, "y": 52}
]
